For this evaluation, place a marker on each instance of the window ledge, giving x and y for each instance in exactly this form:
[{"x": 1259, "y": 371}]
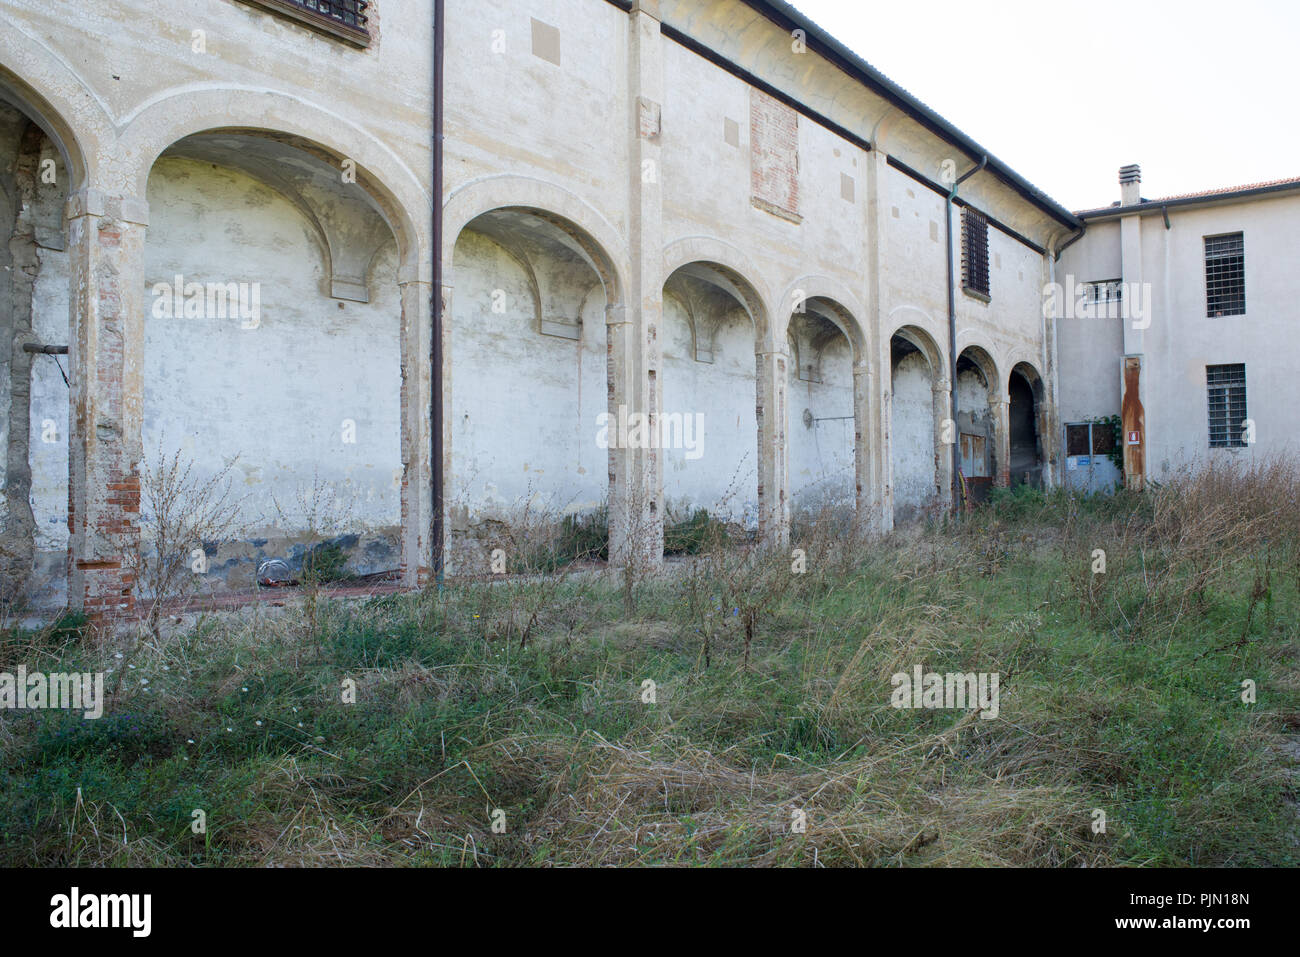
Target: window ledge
[{"x": 976, "y": 294}]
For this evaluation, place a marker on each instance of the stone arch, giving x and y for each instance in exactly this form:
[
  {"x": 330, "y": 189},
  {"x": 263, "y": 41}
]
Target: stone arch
[
  {"x": 981, "y": 422},
  {"x": 730, "y": 266},
  {"x": 838, "y": 304},
  {"x": 44, "y": 87},
  {"x": 171, "y": 117},
  {"x": 927, "y": 345},
  {"x": 528, "y": 267},
  {"x": 239, "y": 215},
  {"x": 1028, "y": 435},
  {"x": 57, "y": 120},
  {"x": 919, "y": 470},
  {"x": 599, "y": 241}
]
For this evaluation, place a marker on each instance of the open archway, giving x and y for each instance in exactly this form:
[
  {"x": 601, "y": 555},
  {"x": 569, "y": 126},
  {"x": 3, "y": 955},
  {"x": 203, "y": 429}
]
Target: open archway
[
  {"x": 918, "y": 410},
  {"x": 824, "y": 421},
  {"x": 979, "y": 399},
  {"x": 713, "y": 325},
  {"x": 273, "y": 347},
  {"x": 41, "y": 165},
  {"x": 1027, "y": 452},
  {"x": 529, "y": 403}
]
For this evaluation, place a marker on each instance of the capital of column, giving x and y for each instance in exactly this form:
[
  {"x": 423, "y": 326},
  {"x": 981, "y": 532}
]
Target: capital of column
[{"x": 94, "y": 202}]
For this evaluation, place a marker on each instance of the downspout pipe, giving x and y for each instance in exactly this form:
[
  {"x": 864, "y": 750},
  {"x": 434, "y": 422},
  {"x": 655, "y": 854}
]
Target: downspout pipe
[
  {"x": 952, "y": 332},
  {"x": 438, "y": 530}
]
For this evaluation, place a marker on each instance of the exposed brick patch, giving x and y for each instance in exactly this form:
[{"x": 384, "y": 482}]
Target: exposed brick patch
[{"x": 774, "y": 155}]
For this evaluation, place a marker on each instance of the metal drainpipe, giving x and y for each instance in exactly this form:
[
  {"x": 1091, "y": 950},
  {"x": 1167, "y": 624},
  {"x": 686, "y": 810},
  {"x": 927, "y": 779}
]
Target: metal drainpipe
[
  {"x": 438, "y": 530},
  {"x": 1053, "y": 257},
  {"x": 952, "y": 334}
]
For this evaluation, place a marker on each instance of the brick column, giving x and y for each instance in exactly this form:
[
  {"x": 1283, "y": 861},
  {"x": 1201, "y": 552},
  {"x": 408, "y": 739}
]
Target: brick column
[
  {"x": 106, "y": 253},
  {"x": 417, "y": 444}
]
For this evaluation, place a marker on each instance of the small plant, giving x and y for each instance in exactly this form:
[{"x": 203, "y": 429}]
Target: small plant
[
  {"x": 184, "y": 519},
  {"x": 694, "y": 535}
]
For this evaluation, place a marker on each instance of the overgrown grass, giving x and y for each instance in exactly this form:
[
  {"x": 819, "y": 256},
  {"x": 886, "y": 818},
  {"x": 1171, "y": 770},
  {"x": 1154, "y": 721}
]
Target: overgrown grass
[{"x": 1121, "y": 693}]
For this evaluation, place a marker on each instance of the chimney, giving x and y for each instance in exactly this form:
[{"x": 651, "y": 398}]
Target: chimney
[{"x": 1130, "y": 185}]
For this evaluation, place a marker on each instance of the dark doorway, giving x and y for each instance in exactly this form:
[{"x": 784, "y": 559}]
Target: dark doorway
[{"x": 1026, "y": 446}]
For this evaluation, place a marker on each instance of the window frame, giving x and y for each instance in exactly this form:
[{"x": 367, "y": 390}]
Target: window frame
[
  {"x": 1222, "y": 433},
  {"x": 1221, "y": 278},
  {"x": 976, "y": 259}
]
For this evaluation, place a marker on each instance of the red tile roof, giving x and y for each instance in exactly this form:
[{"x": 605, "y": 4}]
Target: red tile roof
[{"x": 1204, "y": 194}]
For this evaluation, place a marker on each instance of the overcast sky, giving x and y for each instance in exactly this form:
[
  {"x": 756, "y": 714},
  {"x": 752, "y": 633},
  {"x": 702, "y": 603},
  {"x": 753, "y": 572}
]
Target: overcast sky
[{"x": 1201, "y": 94}]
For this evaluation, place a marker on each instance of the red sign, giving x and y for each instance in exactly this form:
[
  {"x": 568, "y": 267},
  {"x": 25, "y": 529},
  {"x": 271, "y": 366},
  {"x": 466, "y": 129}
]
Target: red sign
[{"x": 1135, "y": 438}]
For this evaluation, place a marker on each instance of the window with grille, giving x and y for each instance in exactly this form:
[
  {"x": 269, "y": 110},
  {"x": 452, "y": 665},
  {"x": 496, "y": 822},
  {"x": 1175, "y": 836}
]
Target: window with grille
[
  {"x": 1108, "y": 290},
  {"x": 975, "y": 252},
  {"x": 1225, "y": 275},
  {"x": 1078, "y": 440},
  {"x": 1228, "y": 414},
  {"x": 344, "y": 19}
]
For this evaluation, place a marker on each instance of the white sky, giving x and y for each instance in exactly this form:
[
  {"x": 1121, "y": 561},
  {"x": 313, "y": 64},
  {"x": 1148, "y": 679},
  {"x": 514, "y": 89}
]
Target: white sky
[{"x": 1202, "y": 94}]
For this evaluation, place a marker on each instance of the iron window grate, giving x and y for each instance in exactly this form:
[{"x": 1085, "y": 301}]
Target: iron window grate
[
  {"x": 345, "y": 19},
  {"x": 1226, "y": 387},
  {"x": 1225, "y": 275},
  {"x": 351, "y": 13},
  {"x": 1107, "y": 290},
  {"x": 975, "y": 251}
]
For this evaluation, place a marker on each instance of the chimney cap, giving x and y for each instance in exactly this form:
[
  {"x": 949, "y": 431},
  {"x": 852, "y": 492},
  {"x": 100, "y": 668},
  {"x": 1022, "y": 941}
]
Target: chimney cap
[{"x": 1130, "y": 174}]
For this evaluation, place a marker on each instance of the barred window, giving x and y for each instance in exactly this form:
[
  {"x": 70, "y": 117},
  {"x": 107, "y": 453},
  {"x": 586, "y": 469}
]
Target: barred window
[
  {"x": 975, "y": 251},
  {"x": 344, "y": 19},
  {"x": 1228, "y": 414},
  {"x": 1225, "y": 275},
  {"x": 1078, "y": 440},
  {"x": 1107, "y": 290}
]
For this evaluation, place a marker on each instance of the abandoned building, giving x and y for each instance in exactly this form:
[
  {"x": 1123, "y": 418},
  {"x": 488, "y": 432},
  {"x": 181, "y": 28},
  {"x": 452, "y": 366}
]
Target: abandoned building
[{"x": 683, "y": 256}]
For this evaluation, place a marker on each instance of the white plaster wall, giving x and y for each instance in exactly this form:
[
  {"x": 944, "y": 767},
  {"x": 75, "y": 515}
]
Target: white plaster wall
[
  {"x": 1090, "y": 348},
  {"x": 724, "y": 480},
  {"x": 821, "y": 457},
  {"x": 1182, "y": 340},
  {"x": 508, "y": 110},
  {"x": 912, "y": 431},
  {"x": 525, "y": 406},
  {"x": 277, "y": 396},
  {"x": 49, "y": 398}
]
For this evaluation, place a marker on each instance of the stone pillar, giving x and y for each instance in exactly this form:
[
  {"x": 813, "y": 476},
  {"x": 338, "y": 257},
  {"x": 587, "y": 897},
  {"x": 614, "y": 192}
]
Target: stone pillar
[
  {"x": 945, "y": 434},
  {"x": 1000, "y": 406},
  {"x": 636, "y": 505},
  {"x": 773, "y": 449},
  {"x": 877, "y": 430},
  {"x": 417, "y": 444},
  {"x": 866, "y": 515},
  {"x": 106, "y": 251},
  {"x": 620, "y": 338}
]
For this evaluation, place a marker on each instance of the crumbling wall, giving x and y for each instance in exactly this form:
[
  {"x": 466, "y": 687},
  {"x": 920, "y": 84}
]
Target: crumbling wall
[{"x": 34, "y": 395}]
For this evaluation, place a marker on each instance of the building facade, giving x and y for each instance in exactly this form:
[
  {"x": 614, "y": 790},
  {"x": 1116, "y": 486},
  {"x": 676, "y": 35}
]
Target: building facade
[
  {"x": 1177, "y": 321},
  {"x": 612, "y": 260}
]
